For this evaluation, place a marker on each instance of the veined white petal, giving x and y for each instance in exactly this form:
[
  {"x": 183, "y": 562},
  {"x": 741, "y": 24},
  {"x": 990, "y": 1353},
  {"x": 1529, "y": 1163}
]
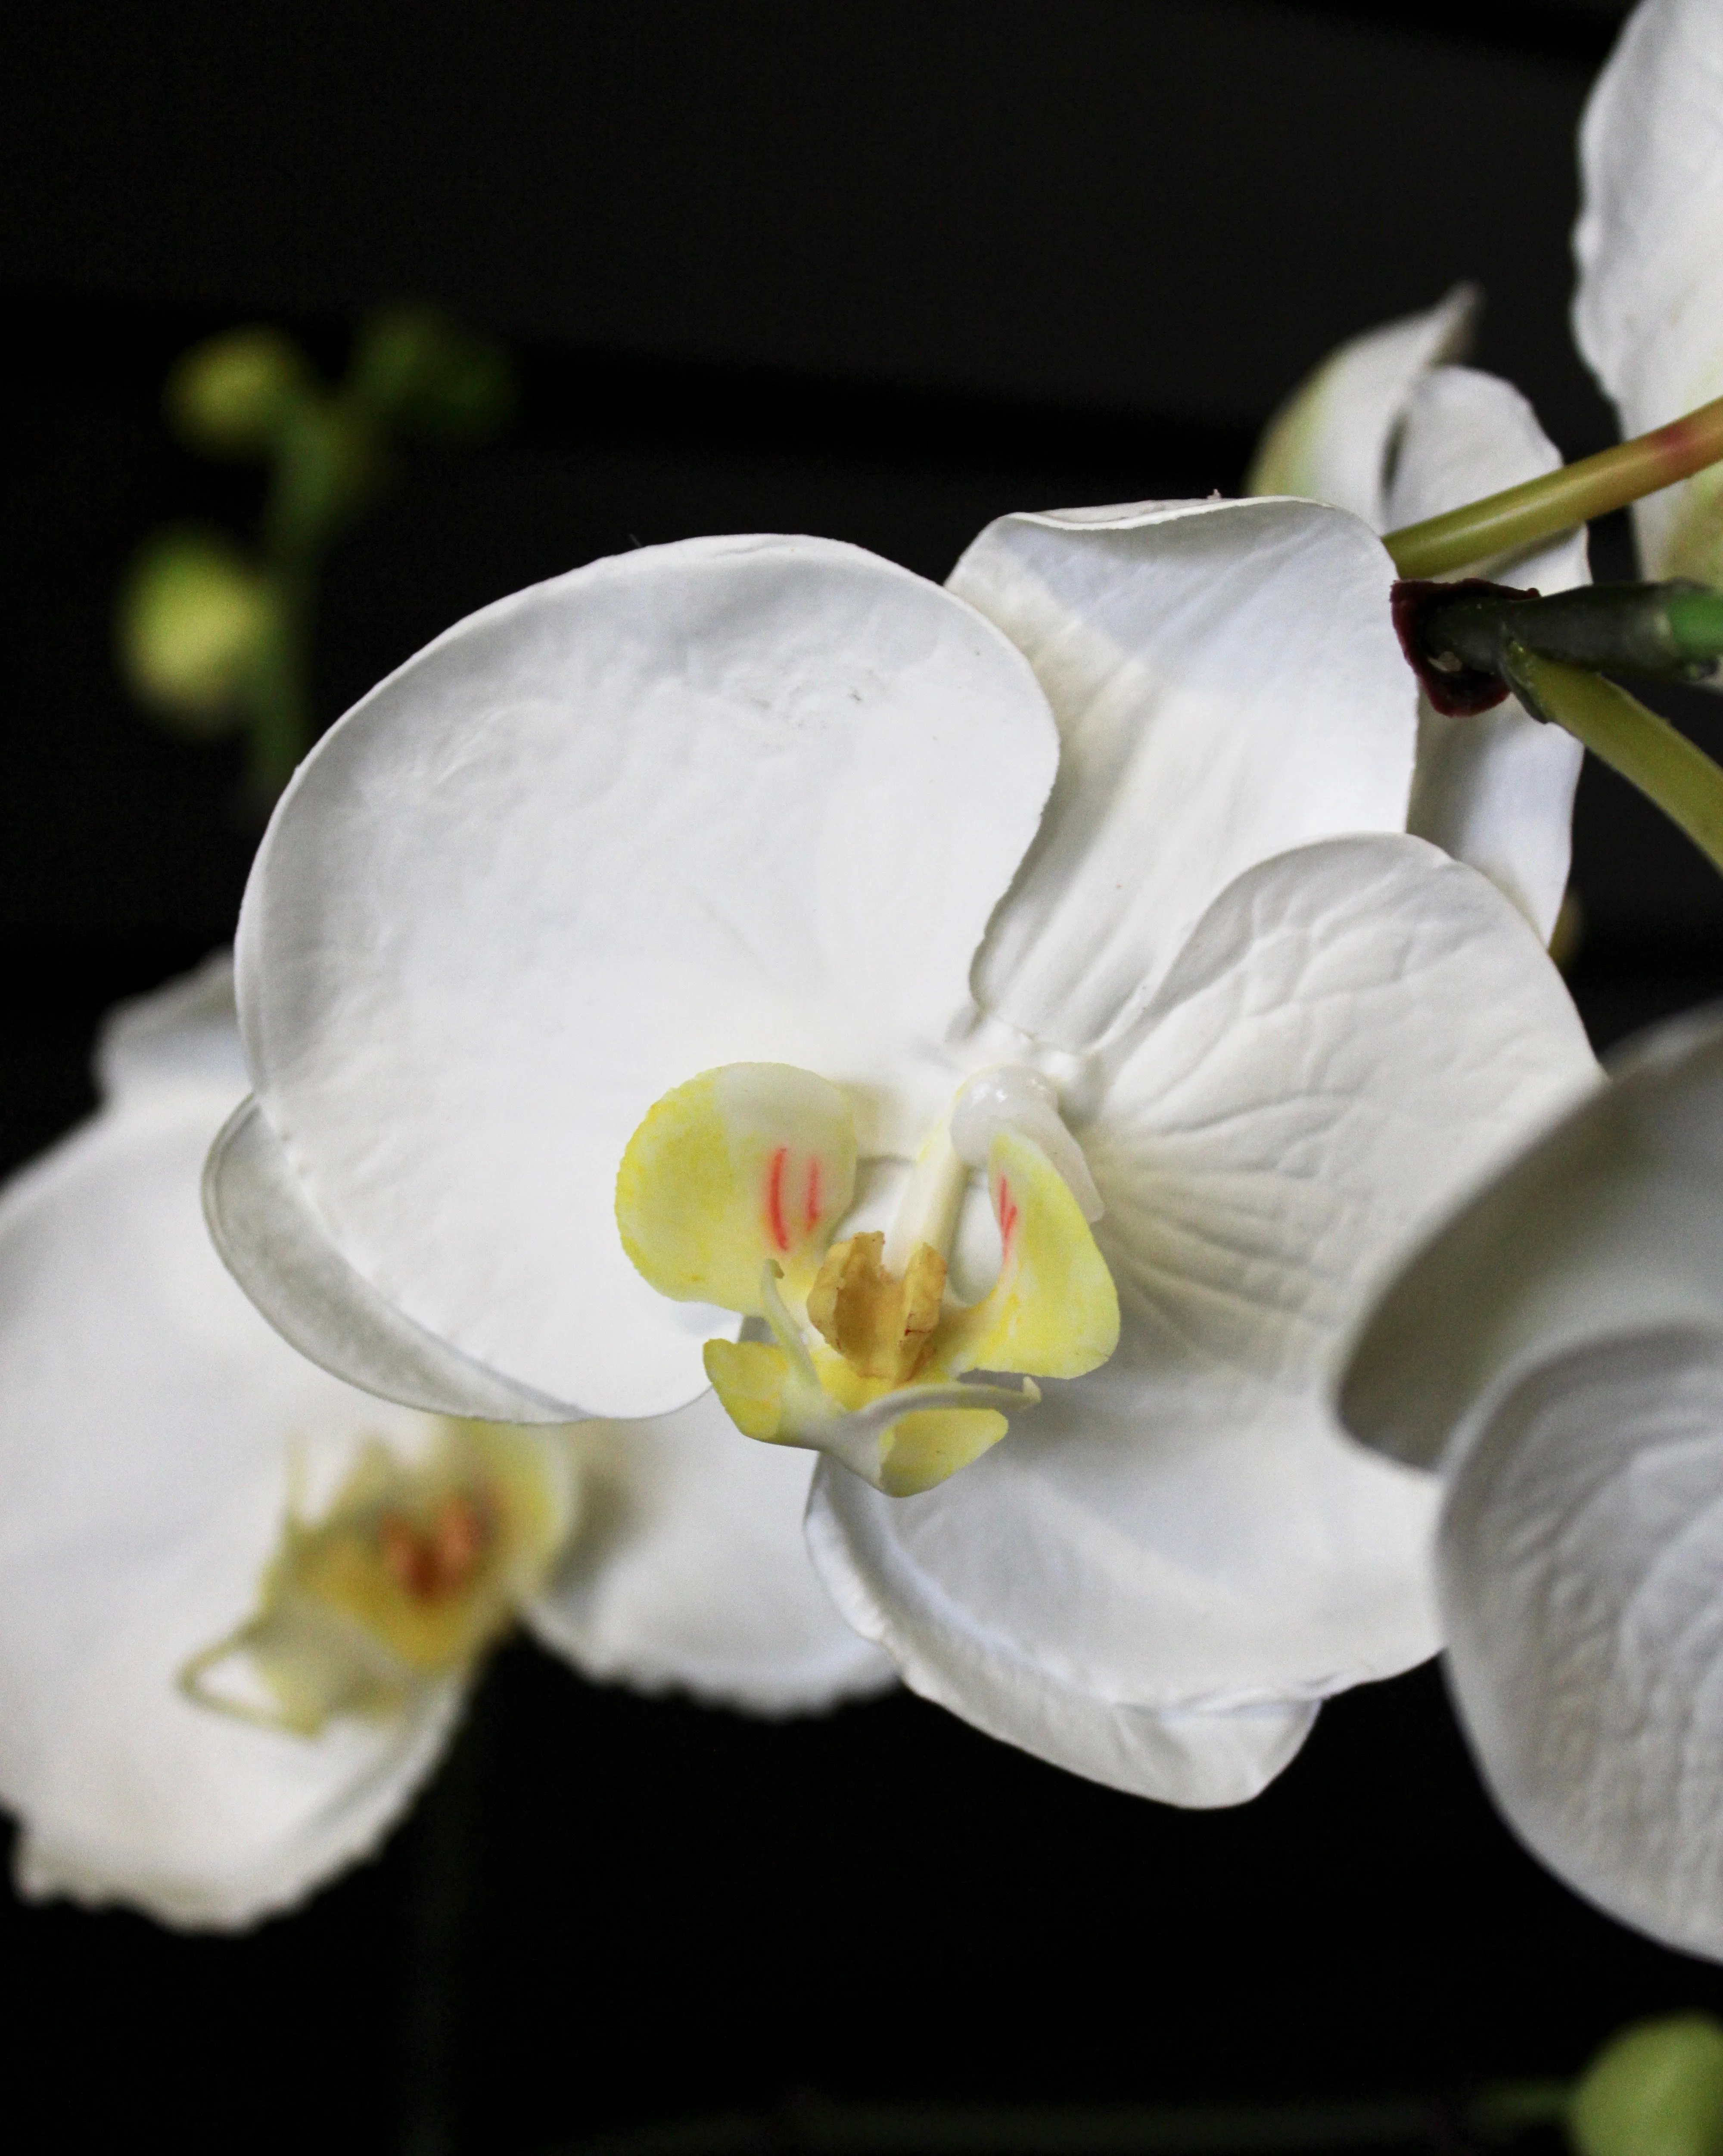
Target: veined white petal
[
  {"x": 1648, "y": 313},
  {"x": 689, "y": 1571},
  {"x": 1581, "y": 1548},
  {"x": 145, "y": 1412},
  {"x": 1610, "y": 1220},
  {"x": 735, "y": 799},
  {"x": 1354, "y": 1031},
  {"x": 183, "y": 1034},
  {"x": 1333, "y": 438},
  {"x": 1227, "y": 684},
  {"x": 1495, "y": 790},
  {"x": 262, "y": 1223}
]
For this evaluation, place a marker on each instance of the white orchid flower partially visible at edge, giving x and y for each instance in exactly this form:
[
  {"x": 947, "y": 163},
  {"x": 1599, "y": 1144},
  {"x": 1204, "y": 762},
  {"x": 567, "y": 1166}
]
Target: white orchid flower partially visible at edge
[
  {"x": 1555, "y": 1352},
  {"x": 1390, "y": 427},
  {"x": 997, "y": 1033},
  {"x": 240, "y": 1603}
]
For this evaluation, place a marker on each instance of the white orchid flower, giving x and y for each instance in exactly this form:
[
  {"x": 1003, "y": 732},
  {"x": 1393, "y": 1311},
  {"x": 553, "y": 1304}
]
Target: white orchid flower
[
  {"x": 1557, "y": 1351},
  {"x": 742, "y": 955},
  {"x": 1391, "y": 428},
  {"x": 1648, "y": 313},
  {"x": 239, "y": 1602}
]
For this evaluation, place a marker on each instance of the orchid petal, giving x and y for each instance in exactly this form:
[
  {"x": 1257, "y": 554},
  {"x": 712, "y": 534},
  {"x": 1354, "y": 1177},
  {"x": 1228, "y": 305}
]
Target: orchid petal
[
  {"x": 1227, "y": 686},
  {"x": 260, "y": 1219},
  {"x": 689, "y": 1571},
  {"x": 144, "y": 1410},
  {"x": 1648, "y": 313},
  {"x": 1495, "y": 790},
  {"x": 1610, "y": 1220},
  {"x": 732, "y": 800},
  {"x": 1355, "y": 1030},
  {"x": 1333, "y": 438},
  {"x": 183, "y": 1034},
  {"x": 1190, "y": 1756},
  {"x": 1581, "y": 1545}
]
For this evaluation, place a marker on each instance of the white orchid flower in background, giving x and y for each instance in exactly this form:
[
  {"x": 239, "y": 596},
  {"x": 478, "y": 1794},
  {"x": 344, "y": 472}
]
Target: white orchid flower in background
[
  {"x": 1391, "y": 428},
  {"x": 240, "y": 1603},
  {"x": 1557, "y": 1351},
  {"x": 1648, "y": 314},
  {"x": 728, "y": 904}
]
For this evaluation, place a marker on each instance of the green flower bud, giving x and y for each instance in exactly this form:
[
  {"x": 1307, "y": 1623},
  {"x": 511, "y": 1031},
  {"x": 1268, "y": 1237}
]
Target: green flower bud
[
  {"x": 232, "y": 395},
  {"x": 194, "y": 617},
  {"x": 420, "y": 374},
  {"x": 1656, "y": 2089}
]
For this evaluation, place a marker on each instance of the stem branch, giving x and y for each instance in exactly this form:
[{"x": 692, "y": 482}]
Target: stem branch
[
  {"x": 1505, "y": 523},
  {"x": 1646, "y": 750}
]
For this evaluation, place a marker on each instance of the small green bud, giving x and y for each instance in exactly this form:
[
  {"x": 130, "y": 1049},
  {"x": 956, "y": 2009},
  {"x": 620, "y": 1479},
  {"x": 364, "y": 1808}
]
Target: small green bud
[
  {"x": 1656, "y": 2089},
  {"x": 233, "y": 395},
  {"x": 195, "y": 618},
  {"x": 422, "y": 375}
]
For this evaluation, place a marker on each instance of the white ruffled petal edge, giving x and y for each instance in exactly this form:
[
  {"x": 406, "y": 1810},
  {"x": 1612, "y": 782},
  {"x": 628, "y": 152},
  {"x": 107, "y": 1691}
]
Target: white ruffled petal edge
[
  {"x": 1197, "y": 1759},
  {"x": 1580, "y": 1547},
  {"x": 51, "y": 1859},
  {"x": 689, "y": 1571}
]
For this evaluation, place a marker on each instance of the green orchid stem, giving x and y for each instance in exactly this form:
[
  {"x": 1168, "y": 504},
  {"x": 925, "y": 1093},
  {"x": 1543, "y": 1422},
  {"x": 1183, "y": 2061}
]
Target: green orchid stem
[
  {"x": 1507, "y": 522},
  {"x": 1646, "y": 750},
  {"x": 1506, "y": 2108},
  {"x": 832, "y": 2128}
]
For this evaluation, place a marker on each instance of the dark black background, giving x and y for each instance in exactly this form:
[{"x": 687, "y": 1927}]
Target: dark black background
[{"x": 880, "y": 271}]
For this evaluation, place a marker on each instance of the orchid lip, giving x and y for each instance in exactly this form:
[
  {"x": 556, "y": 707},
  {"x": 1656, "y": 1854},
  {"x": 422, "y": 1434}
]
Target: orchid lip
[
  {"x": 732, "y": 1190},
  {"x": 410, "y": 1573}
]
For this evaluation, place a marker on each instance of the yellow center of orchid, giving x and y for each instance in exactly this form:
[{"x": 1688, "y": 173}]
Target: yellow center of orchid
[
  {"x": 413, "y": 1570},
  {"x": 728, "y": 1193}
]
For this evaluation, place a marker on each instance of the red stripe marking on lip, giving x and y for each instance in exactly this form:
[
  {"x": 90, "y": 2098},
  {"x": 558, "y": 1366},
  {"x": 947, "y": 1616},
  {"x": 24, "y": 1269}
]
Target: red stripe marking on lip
[
  {"x": 774, "y": 1198},
  {"x": 811, "y": 1211},
  {"x": 1008, "y": 1217}
]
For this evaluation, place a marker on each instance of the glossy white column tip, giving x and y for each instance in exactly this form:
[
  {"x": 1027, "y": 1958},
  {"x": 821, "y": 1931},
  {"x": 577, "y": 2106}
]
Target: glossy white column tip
[{"x": 1013, "y": 1097}]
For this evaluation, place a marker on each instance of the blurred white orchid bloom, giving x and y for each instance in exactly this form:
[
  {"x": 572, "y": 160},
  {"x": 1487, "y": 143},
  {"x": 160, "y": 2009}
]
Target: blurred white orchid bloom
[
  {"x": 736, "y": 866},
  {"x": 1391, "y": 428},
  {"x": 1556, "y": 1352},
  {"x": 239, "y": 1602},
  {"x": 1648, "y": 313}
]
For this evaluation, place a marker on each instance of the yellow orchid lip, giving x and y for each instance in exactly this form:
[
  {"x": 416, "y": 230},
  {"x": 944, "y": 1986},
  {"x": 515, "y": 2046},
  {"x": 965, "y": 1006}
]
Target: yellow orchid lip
[
  {"x": 408, "y": 1575},
  {"x": 729, "y": 1192}
]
